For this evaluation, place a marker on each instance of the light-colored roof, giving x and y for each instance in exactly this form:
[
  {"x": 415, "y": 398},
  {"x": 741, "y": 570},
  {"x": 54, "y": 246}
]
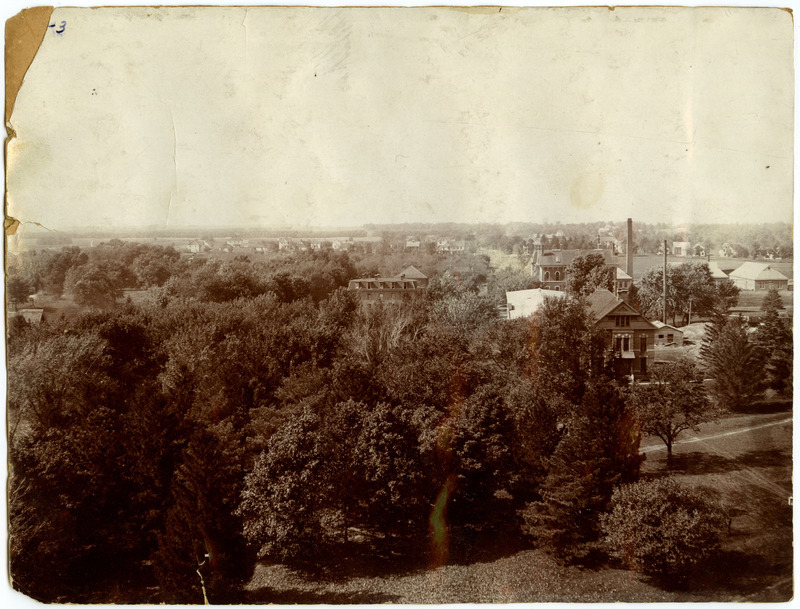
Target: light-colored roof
[
  {"x": 412, "y": 272},
  {"x": 758, "y": 271},
  {"x": 527, "y": 302},
  {"x": 661, "y": 324},
  {"x": 716, "y": 272},
  {"x": 622, "y": 274},
  {"x": 33, "y": 316}
]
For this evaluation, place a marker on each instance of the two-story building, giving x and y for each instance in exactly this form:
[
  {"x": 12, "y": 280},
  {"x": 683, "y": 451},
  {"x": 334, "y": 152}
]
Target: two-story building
[
  {"x": 549, "y": 267},
  {"x": 388, "y": 290},
  {"x": 681, "y": 248},
  {"x": 628, "y": 338}
]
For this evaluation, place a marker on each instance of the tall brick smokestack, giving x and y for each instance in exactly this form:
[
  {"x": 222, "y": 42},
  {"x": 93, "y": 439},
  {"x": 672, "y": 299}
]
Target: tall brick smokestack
[{"x": 629, "y": 249}]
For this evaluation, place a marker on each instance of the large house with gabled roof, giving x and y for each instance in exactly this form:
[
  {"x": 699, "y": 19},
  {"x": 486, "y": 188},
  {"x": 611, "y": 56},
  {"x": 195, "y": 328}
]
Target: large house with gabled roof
[{"x": 628, "y": 338}]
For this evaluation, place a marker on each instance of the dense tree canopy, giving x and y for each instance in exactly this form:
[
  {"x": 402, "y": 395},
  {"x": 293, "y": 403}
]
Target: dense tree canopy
[
  {"x": 587, "y": 273},
  {"x": 690, "y": 290},
  {"x": 243, "y": 407}
]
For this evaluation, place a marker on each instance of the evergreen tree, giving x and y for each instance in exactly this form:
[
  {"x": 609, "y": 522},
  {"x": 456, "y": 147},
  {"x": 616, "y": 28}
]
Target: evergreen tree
[
  {"x": 734, "y": 364},
  {"x": 598, "y": 451},
  {"x": 202, "y": 554},
  {"x": 775, "y": 339}
]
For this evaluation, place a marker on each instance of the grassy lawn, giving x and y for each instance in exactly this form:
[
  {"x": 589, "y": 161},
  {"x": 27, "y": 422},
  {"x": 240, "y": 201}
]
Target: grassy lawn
[
  {"x": 55, "y": 308},
  {"x": 754, "y": 299},
  {"x": 750, "y": 471},
  {"x": 673, "y": 353}
]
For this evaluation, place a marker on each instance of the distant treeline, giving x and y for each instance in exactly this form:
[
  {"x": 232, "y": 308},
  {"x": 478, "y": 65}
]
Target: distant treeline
[{"x": 745, "y": 240}]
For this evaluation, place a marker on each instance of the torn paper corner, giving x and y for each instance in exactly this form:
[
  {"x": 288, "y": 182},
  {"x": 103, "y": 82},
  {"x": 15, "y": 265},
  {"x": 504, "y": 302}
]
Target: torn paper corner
[
  {"x": 24, "y": 33},
  {"x": 10, "y": 225}
]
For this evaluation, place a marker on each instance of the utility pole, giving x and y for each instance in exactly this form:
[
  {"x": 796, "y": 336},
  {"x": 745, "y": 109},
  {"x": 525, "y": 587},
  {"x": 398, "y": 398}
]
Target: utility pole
[{"x": 665, "y": 282}]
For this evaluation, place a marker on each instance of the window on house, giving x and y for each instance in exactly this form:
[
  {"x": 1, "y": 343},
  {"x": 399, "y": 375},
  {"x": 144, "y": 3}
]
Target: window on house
[
  {"x": 547, "y": 275},
  {"x": 643, "y": 343},
  {"x": 558, "y": 276},
  {"x": 643, "y": 365},
  {"x": 622, "y": 320},
  {"x": 626, "y": 344},
  {"x": 670, "y": 338},
  {"x": 661, "y": 336},
  {"x": 618, "y": 343}
]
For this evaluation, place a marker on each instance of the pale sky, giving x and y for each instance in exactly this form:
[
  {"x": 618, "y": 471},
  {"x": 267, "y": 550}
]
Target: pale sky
[{"x": 235, "y": 116}]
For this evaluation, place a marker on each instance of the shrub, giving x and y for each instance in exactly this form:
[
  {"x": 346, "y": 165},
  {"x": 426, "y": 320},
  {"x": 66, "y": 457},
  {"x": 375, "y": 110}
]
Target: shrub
[{"x": 662, "y": 528}]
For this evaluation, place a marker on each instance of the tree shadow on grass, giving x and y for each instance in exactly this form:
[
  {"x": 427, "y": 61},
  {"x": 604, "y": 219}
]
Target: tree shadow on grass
[
  {"x": 771, "y": 406},
  {"x": 469, "y": 546},
  {"x": 498, "y": 536},
  {"x": 698, "y": 463},
  {"x": 694, "y": 463},
  {"x": 731, "y": 575},
  {"x": 371, "y": 558},
  {"x": 374, "y": 556},
  {"x": 765, "y": 458}
]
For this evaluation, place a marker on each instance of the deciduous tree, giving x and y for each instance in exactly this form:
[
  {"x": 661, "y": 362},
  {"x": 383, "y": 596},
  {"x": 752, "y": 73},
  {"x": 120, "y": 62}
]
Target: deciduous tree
[
  {"x": 663, "y": 528},
  {"x": 283, "y": 494},
  {"x": 560, "y": 342},
  {"x": 587, "y": 273},
  {"x": 18, "y": 289},
  {"x": 92, "y": 285},
  {"x": 690, "y": 287},
  {"x": 672, "y": 402}
]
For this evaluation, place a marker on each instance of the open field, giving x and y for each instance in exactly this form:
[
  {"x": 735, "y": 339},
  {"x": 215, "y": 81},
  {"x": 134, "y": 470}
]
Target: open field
[
  {"x": 754, "y": 299},
  {"x": 500, "y": 260},
  {"x": 750, "y": 471}
]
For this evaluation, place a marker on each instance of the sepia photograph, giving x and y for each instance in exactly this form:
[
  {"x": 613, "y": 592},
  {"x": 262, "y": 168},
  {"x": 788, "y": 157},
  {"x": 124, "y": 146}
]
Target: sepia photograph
[{"x": 416, "y": 305}]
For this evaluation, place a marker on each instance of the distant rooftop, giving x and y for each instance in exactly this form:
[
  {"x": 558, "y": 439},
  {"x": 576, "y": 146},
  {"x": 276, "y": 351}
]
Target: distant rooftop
[{"x": 759, "y": 271}]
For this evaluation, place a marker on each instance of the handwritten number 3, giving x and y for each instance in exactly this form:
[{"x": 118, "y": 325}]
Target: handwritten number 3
[{"x": 61, "y": 27}]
